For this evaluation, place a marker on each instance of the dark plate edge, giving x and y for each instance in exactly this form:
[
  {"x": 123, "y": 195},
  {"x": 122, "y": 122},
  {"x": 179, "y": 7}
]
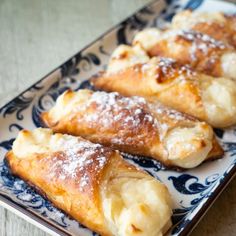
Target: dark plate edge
[
  {"x": 34, "y": 218},
  {"x": 18, "y": 209}
]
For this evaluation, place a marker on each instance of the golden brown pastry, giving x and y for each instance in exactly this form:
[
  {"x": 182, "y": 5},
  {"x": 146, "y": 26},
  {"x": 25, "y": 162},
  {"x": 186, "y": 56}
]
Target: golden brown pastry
[
  {"x": 205, "y": 97},
  {"x": 202, "y": 52},
  {"x": 215, "y": 24},
  {"x": 132, "y": 125},
  {"x": 92, "y": 183}
]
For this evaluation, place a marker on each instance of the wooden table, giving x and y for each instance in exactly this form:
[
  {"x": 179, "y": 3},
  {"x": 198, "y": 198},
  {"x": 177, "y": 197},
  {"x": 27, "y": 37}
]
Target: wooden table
[{"x": 37, "y": 36}]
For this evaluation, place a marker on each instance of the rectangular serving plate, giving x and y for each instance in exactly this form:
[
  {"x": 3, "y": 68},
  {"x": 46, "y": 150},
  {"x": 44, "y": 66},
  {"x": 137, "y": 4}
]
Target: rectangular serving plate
[{"x": 193, "y": 191}]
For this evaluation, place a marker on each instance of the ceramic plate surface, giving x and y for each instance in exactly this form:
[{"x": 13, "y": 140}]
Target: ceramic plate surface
[{"x": 193, "y": 191}]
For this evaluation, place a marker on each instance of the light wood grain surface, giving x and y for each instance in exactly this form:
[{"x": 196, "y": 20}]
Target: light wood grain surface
[{"x": 38, "y": 35}]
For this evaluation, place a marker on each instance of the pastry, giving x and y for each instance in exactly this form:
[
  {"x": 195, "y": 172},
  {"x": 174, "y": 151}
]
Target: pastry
[
  {"x": 163, "y": 79},
  {"x": 203, "y": 53},
  {"x": 215, "y": 24},
  {"x": 125, "y": 56},
  {"x": 133, "y": 125},
  {"x": 92, "y": 183}
]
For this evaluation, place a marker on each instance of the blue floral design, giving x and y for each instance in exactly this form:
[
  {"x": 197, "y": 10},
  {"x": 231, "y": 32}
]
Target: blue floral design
[
  {"x": 193, "y": 4},
  {"x": 17, "y": 105},
  {"x": 201, "y": 190},
  {"x": 27, "y": 195},
  {"x": 7, "y": 144},
  {"x": 183, "y": 183}
]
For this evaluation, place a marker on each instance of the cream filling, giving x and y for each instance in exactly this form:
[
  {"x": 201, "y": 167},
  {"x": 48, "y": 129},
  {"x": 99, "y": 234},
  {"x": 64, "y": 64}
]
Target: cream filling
[
  {"x": 41, "y": 140},
  {"x": 187, "y": 19},
  {"x": 147, "y": 38},
  {"x": 67, "y": 102},
  {"x": 136, "y": 206},
  {"x": 219, "y": 99},
  {"x": 126, "y": 56},
  {"x": 189, "y": 146},
  {"x": 228, "y": 64}
]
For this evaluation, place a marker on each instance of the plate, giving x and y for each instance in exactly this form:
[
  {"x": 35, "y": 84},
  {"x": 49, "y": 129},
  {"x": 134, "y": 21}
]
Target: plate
[{"x": 193, "y": 191}]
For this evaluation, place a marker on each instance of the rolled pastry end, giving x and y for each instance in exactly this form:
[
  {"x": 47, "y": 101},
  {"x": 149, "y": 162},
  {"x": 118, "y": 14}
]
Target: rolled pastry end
[
  {"x": 40, "y": 140},
  {"x": 31, "y": 142},
  {"x": 126, "y": 56},
  {"x": 65, "y": 103},
  {"x": 219, "y": 98},
  {"x": 189, "y": 146},
  {"x": 228, "y": 65},
  {"x": 137, "y": 206},
  {"x": 147, "y": 38}
]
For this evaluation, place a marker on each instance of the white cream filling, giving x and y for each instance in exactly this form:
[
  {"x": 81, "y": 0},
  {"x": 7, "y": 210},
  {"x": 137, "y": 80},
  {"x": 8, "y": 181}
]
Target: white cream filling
[
  {"x": 147, "y": 38},
  {"x": 189, "y": 146},
  {"x": 137, "y": 206},
  {"x": 219, "y": 99},
  {"x": 228, "y": 64},
  {"x": 67, "y": 102},
  {"x": 40, "y": 140},
  {"x": 125, "y": 56},
  {"x": 187, "y": 19}
]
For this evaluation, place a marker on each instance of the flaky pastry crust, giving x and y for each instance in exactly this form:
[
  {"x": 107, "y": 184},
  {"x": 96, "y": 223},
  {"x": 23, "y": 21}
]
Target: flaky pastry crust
[
  {"x": 133, "y": 125},
  {"x": 180, "y": 87},
  {"x": 217, "y": 25},
  {"x": 202, "y": 52},
  {"x": 91, "y": 183}
]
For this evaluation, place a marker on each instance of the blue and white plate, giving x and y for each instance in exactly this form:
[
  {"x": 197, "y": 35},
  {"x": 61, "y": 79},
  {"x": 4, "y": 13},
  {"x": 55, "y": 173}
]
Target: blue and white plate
[{"x": 193, "y": 191}]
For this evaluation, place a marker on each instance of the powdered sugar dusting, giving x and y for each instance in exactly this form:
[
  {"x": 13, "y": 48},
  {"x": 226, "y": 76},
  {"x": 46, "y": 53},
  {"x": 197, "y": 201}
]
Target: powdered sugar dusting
[
  {"x": 112, "y": 108},
  {"x": 128, "y": 120},
  {"x": 165, "y": 69},
  {"x": 79, "y": 156},
  {"x": 171, "y": 66},
  {"x": 117, "y": 120},
  {"x": 201, "y": 42},
  {"x": 206, "y": 40},
  {"x": 123, "y": 120},
  {"x": 84, "y": 181}
]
